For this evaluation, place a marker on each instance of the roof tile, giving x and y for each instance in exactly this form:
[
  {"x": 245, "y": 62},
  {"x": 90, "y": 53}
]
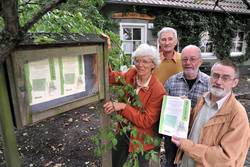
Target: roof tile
[{"x": 231, "y": 6}]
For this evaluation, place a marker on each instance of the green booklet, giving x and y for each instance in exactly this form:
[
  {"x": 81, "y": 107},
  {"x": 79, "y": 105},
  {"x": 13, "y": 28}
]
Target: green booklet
[{"x": 175, "y": 113}]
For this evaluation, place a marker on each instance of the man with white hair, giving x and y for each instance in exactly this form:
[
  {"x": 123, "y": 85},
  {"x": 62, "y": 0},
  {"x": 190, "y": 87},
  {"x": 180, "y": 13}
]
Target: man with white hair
[
  {"x": 219, "y": 134},
  {"x": 170, "y": 59},
  {"x": 191, "y": 83}
]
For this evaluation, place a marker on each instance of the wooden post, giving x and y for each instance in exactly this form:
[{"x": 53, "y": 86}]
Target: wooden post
[
  {"x": 105, "y": 120},
  {"x": 6, "y": 125}
]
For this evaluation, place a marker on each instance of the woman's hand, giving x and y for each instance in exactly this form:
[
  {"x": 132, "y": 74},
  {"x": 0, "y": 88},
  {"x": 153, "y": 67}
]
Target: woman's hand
[
  {"x": 110, "y": 107},
  {"x": 107, "y": 38}
]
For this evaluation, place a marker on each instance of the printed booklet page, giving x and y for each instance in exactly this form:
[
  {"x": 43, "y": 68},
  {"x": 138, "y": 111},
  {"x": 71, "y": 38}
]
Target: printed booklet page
[{"x": 175, "y": 115}]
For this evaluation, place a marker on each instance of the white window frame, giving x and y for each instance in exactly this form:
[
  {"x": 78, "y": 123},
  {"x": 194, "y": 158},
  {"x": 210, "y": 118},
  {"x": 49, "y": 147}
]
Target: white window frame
[
  {"x": 235, "y": 42},
  {"x": 134, "y": 25},
  {"x": 207, "y": 55}
]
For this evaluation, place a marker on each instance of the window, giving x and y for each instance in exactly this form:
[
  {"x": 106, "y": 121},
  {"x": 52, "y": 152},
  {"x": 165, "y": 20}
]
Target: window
[
  {"x": 206, "y": 45},
  {"x": 238, "y": 44},
  {"x": 237, "y": 48},
  {"x": 132, "y": 35}
]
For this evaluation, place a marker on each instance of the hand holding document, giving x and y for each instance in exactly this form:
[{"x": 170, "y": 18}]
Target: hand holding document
[{"x": 175, "y": 115}]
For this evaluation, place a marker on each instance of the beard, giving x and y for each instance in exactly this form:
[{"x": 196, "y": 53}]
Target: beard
[{"x": 219, "y": 92}]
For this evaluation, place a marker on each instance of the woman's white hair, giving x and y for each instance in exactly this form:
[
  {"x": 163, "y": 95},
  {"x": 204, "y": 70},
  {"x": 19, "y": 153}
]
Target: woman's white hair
[
  {"x": 165, "y": 30},
  {"x": 145, "y": 50}
]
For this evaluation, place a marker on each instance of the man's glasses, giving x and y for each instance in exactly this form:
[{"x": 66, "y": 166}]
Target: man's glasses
[
  {"x": 191, "y": 60},
  {"x": 224, "y": 78}
]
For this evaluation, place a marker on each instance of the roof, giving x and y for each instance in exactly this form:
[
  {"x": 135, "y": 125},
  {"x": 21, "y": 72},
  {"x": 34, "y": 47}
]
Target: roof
[
  {"x": 230, "y": 6},
  {"x": 60, "y": 39}
]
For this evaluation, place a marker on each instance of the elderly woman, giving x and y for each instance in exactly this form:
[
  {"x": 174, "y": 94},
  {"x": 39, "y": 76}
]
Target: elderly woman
[{"x": 144, "y": 118}]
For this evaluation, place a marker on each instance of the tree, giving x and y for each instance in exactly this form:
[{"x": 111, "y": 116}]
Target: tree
[
  {"x": 19, "y": 17},
  {"x": 13, "y": 32}
]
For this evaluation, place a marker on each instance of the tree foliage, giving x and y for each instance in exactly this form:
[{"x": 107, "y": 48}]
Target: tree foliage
[
  {"x": 13, "y": 29},
  {"x": 75, "y": 16},
  {"x": 72, "y": 17}
]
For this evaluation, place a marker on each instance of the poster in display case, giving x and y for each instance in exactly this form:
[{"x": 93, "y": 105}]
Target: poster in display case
[{"x": 48, "y": 81}]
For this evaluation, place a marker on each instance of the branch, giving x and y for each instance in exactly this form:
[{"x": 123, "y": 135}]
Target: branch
[
  {"x": 10, "y": 40},
  {"x": 216, "y": 4},
  {"x": 48, "y": 7}
]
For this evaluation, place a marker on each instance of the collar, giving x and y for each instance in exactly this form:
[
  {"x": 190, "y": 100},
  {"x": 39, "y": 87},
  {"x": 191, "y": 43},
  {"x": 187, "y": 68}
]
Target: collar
[
  {"x": 218, "y": 103},
  {"x": 144, "y": 86},
  {"x": 198, "y": 78},
  {"x": 174, "y": 57}
]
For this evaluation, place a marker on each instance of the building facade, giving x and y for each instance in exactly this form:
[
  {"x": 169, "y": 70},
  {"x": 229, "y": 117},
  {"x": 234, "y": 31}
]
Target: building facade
[{"x": 220, "y": 28}]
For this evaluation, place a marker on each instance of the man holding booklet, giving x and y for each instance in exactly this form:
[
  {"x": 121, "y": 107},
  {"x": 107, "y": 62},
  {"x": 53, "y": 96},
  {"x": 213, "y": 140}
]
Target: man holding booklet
[
  {"x": 219, "y": 134},
  {"x": 191, "y": 83}
]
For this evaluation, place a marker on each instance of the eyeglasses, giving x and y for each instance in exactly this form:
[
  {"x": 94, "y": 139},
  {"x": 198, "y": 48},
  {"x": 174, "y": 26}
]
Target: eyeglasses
[
  {"x": 224, "y": 78},
  {"x": 143, "y": 62},
  {"x": 191, "y": 60}
]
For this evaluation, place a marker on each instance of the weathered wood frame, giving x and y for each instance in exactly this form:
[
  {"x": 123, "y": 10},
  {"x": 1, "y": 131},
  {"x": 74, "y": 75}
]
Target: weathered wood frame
[
  {"x": 19, "y": 97},
  {"x": 6, "y": 125},
  {"x": 105, "y": 119},
  {"x": 15, "y": 67}
]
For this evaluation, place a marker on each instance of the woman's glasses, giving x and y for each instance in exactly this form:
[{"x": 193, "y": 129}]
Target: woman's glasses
[{"x": 142, "y": 61}]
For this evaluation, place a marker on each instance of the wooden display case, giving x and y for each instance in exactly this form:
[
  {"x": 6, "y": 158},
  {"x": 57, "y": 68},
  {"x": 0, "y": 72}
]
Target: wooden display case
[{"x": 48, "y": 79}]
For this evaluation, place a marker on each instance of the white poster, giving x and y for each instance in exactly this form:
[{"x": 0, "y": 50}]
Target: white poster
[
  {"x": 73, "y": 81},
  {"x": 54, "y": 85},
  {"x": 43, "y": 88},
  {"x": 175, "y": 115},
  {"x": 45, "y": 82},
  {"x": 39, "y": 76}
]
